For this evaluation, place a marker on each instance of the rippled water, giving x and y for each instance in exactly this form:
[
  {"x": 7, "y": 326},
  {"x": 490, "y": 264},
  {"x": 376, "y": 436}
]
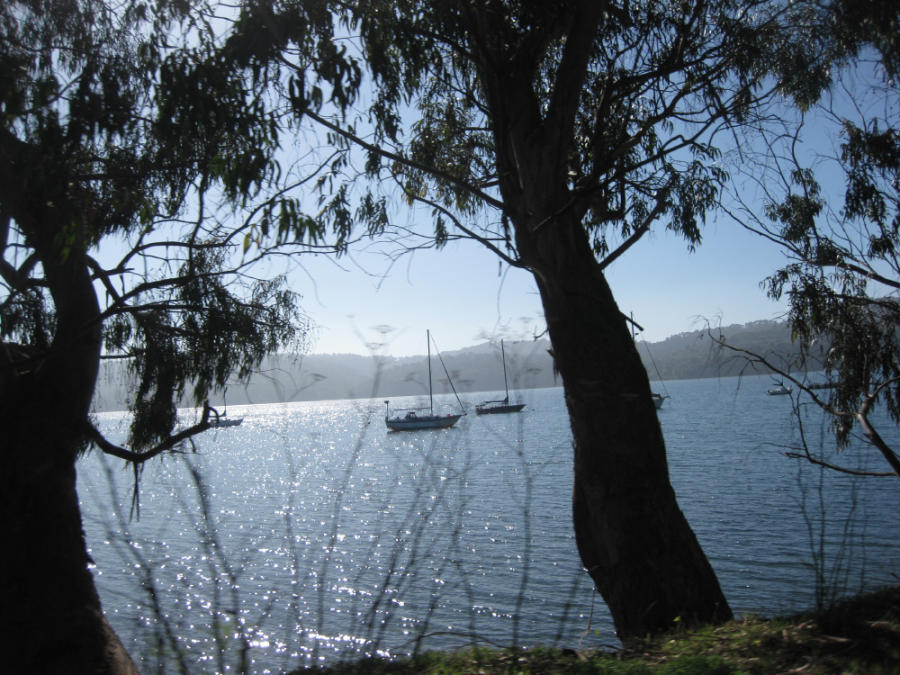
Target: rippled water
[{"x": 310, "y": 531}]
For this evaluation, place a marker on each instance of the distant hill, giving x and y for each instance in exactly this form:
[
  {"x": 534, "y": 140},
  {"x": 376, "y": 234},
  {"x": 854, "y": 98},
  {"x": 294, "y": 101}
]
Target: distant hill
[
  {"x": 475, "y": 369},
  {"x": 692, "y": 356}
]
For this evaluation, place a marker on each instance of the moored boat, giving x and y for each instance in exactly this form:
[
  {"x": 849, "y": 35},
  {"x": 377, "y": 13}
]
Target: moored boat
[
  {"x": 501, "y": 406},
  {"x": 408, "y": 419}
]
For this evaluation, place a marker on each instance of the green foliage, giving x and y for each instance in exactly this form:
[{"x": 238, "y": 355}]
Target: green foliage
[
  {"x": 844, "y": 274},
  {"x": 464, "y": 91},
  {"x": 118, "y": 122}
]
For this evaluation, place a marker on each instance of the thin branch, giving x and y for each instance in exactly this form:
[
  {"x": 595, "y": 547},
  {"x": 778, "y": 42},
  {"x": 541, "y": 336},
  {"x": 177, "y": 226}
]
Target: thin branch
[
  {"x": 405, "y": 161},
  {"x": 639, "y": 231},
  {"x": 481, "y": 240},
  {"x": 862, "y": 415},
  {"x": 871, "y": 433},
  {"x": 108, "y": 448},
  {"x": 853, "y": 472}
]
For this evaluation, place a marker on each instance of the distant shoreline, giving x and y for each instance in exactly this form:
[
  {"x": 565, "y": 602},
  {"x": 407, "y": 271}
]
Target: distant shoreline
[{"x": 474, "y": 370}]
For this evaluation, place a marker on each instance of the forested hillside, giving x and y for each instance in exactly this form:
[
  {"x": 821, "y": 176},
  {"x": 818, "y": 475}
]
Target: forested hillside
[
  {"x": 693, "y": 355},
  {"x": 320, "y": 377}
]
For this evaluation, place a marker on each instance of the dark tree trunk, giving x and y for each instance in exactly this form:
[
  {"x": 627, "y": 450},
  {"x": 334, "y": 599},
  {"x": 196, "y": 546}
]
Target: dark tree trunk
[
  {"x": 52, "y": 621},
  {"x": 633, "y": 538}
]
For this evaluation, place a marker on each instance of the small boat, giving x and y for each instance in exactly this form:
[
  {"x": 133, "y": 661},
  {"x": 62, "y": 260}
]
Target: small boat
[
  {"x": 222, "y": 422},
  {"x": 658, "y": 399},
  {"x": 412, "y": 420},
  {"x": 218, "y": 421},
  {"x": 503, "y": 406},
  {"x": 408, "y": 419},
  {"x": 780, "y": 390}
]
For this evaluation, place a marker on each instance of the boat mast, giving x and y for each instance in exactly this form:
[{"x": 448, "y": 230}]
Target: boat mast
[
  {"x": 505, "y": 382},
  {"x": 430, "y": 397}
]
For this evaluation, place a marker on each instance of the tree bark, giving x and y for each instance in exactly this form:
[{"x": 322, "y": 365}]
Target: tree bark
[
  {"x": 633, "y": 539},
  {"x": 51, "y": 619}
]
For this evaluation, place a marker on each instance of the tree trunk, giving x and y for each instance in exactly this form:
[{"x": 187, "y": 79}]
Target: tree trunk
[
  {"x": 52, "y": 621},
  {"x": 633, "y": 539}
]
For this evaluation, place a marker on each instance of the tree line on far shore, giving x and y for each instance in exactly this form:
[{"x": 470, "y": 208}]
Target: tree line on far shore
[{"x": 325, "y": 377}]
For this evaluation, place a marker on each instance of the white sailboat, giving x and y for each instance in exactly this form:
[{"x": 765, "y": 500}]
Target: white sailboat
[
  {"x": 408, "y": 419},
  {"x": 503, "y": 406}
]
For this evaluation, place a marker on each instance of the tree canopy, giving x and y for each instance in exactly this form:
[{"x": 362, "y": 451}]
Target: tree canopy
[
  {"x": 130, "y": 154},
  {"x": 842, "y": 275}
]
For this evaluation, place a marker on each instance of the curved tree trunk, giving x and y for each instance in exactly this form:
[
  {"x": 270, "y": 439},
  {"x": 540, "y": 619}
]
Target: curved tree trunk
[
  {"x": 52, "y": 621},
  {"x": 633, "y": 538}
]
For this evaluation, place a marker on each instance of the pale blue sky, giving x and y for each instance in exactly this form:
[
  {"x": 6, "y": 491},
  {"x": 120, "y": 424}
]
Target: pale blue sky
[{"x": 458, "y": 295}]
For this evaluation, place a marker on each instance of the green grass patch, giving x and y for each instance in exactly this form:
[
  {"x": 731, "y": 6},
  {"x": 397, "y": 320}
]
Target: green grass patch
[{"x": 859, "y": 635}]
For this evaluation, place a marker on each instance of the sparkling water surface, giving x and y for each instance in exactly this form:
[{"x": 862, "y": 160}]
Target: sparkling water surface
[{"x": 311, "y": 533}]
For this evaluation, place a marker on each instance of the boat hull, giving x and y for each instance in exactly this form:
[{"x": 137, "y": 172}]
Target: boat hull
[
  {"x": 226, "y": 423},
  {"x": 499, "y": 409},
  {"x": 423, "y": 422}
]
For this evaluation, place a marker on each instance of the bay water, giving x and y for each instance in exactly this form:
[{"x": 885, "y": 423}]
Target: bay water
[{"x": 311, "y": 533}]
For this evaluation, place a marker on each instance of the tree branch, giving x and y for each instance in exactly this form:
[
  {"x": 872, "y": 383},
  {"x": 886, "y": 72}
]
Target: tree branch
[
  {"x": 834, "y": 467},
  {"x": 443, "y": 175},
  {"x": 108, "y": 448},
  {"x": 512, "y": 262},
  {"x": 640, "y": 231},
  {"x": 862, "y": 415},
  {"x": 871, "y": 433}
]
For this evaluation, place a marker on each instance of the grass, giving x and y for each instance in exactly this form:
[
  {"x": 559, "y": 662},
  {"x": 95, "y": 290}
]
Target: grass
[{"x": 858, "y": 635}]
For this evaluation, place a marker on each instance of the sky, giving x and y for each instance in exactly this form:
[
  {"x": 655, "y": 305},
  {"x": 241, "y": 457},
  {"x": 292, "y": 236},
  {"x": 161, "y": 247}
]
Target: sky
[
  {"x": 464, "y": 296},
  {"x": 461, "y": 295}
]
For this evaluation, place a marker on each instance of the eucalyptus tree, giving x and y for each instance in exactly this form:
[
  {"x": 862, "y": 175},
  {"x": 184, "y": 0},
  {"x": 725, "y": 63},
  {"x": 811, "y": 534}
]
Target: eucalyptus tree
[
  {"x": 842, "y": 273},
  {"x": 558, "y": 135},
  {"x": 119, "y": 129}
]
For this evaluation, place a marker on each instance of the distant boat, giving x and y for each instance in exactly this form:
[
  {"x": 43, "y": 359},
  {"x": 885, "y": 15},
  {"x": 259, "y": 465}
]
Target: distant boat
[
  {"x": 218, "y": 421},
  {"x": 780, "y": 390},
  {"x": 408, "y": 419},
  {"x": 222, "y": 422},
  {"x": 658, "y": 399},
  {"x": 498, "y": 407}
]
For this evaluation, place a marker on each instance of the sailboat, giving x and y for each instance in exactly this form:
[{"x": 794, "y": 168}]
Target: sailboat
[
  {"x": 658, "y": 399},
  {"x": 218, "y": 421},
  {"x": 407, "y": 419},
  {"x": 503, "y": 406}
]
